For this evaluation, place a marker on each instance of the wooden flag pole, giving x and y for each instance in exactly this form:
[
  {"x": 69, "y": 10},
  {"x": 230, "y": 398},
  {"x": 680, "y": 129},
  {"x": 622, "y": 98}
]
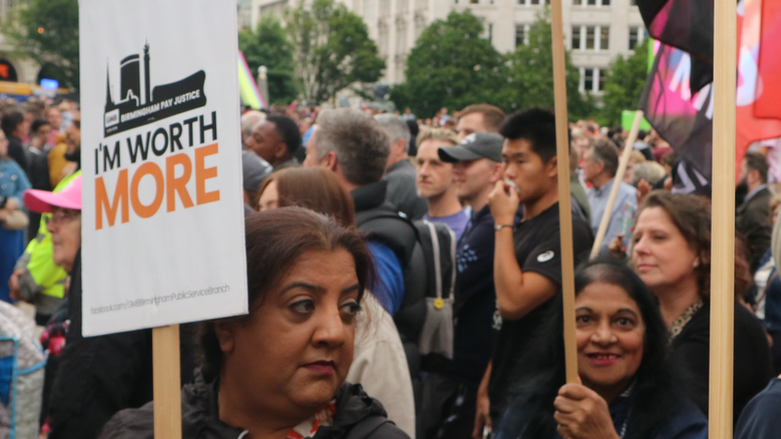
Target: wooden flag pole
[
  {"x": 565, "y": 213},
  {"x": 611, "y": 200},
  {"x": 166, "y": 377},
  {"x": 723, "y": 229}
]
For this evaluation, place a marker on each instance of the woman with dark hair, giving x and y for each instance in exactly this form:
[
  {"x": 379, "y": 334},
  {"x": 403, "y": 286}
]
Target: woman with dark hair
[
  {"x": 628, "y": 389},
  {"x": 379, "y": 362},
  {"x": 671, "y": 254},
  {"x": 279, "y": 372},
  {"x": 310, "y": 187}
]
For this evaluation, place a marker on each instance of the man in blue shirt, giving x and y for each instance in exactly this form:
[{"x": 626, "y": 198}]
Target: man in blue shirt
[
  {"x": 600, "y": 163},
  {"x": 435, "y": 180},
  {"x": 450, "y": 389}
]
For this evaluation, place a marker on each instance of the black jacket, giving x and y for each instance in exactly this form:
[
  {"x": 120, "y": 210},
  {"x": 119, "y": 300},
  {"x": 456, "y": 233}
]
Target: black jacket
[
  {"x": 200, "y": 417},
  {"x": 753, "y": 368},
  {"x": 16, "y": 152},
  {"x": 97, "y": 376},
  {"x": 751, "y": 219}
]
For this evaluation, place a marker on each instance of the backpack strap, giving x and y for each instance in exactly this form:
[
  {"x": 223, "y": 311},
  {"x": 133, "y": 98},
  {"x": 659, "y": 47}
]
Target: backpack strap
[
  {"x": 437, "y": 262},
  {"x": 367, "y": 427},
  {"x": 453, "y": 262}
]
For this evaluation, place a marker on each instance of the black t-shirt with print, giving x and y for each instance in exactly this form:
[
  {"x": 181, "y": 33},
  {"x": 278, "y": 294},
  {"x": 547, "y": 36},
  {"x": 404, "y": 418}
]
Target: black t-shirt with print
[{"x": 537, "y": 249}]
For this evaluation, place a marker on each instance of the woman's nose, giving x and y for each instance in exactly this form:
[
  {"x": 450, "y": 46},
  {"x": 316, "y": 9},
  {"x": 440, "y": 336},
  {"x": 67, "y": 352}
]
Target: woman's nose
[
  {"x": 331, "y": 330},
  {"x": 603, "y": 335}
]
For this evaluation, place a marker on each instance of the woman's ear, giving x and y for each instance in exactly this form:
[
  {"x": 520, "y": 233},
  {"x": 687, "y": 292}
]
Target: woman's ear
[{"x": 225, "y": 331}]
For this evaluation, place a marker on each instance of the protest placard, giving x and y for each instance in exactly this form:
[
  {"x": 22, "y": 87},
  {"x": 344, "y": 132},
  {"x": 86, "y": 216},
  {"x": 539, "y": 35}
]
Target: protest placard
[{"x": 163, "y": 226}]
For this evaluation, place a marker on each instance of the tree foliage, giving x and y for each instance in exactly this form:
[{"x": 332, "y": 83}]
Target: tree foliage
[
  {"x": 331, "y": 49},
  {"x": 530, "y": 82},
  {"x": 624, "y": 83},
  {"x": 47, "y": 31},
  {"x": 451, "y": 66},
  {"x": 268, "y": 46}
]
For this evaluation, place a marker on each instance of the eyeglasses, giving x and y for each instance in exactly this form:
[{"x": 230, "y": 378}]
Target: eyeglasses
[{"x": 61, "y": 216}]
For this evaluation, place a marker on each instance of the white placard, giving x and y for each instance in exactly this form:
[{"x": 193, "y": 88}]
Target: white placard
[{"x": 162, "y": 218}]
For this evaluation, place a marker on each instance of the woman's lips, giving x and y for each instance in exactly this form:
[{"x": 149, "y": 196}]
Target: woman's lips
[
  {"x": 321, "y": 367},
  {"x": 642, "y": 267},
  {"x": 603, "y": 358}
]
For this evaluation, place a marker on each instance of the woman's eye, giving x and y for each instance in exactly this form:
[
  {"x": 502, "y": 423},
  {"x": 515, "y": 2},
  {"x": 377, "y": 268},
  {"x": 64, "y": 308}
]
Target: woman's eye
[
  {"x": 583, "y": 319},
  {"x": 352, "y": 309},
  {"x": 303, "y": 306},
  {"x": 623, "y": 321}
]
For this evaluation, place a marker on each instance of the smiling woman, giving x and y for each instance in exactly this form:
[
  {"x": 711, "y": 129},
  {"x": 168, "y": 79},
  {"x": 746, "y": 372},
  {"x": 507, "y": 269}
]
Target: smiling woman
[
  {"x": 628, "y": 389},
  {"x": 279, "y": 371}
]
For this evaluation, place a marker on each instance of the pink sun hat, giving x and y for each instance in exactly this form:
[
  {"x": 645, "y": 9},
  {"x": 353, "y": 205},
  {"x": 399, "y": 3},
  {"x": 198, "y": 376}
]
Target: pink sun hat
[{"x": 42, "y": 201}]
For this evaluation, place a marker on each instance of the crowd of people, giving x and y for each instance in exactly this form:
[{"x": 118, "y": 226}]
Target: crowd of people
[{"x": 404, "y": 280}]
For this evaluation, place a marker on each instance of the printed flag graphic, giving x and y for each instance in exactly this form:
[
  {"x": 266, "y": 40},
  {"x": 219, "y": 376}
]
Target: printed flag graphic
[
  {"x": 681, "y": 118},
  {"x": 685, "y": 25}
]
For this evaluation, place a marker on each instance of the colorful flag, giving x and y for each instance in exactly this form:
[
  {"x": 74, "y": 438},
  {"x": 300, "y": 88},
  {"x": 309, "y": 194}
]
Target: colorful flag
[
  {"x": 769, "y": 62},
  {"x": 680, "y": 117},
  {"x": 754, "y": 85},
  {"x": 685, "y": 25},
  {"x": 250, "y": 95}
]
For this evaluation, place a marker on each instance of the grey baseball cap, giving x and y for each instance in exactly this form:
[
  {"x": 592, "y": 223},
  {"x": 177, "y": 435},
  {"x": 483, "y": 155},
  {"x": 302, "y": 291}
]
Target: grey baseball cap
[
  {"x": 474, "y": 146},
  {"x": 254, "y": 170}
]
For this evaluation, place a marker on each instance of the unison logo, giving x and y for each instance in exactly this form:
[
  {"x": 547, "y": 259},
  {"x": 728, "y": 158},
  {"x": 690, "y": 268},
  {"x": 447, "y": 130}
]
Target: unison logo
[{"x": 137, "y": 108}]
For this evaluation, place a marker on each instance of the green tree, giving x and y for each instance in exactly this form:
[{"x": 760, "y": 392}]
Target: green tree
[
  {"x": 268, "y": 46},
  {"x": 624, "y": 83},
  {"x": 451, "y": 66},
  {"x": 47, "y": 31},
  {"x": 331, "y": 50},
  {"x": 530, "y": 81}
]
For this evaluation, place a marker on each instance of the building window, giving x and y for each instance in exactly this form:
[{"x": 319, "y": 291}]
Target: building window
[
  {"x": 474, "y": 2},
  {"x": 590, "y": 32},
  {"x": 601, "y": 83},
  {"x": 577, "y": 2},
  {"x": 521, "y": 35},
  {"x": 534, "y": 2},
  {"x": 604, "y": 38},
  {"x": 636, "y": 36},
  {"x": 588, "y": 80},
  {"x": 576, "y": 38}
]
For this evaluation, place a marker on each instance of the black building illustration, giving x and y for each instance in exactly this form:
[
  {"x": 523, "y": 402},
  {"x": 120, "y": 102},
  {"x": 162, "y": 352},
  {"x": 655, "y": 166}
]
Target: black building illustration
[{"x": 137, "y": 107}]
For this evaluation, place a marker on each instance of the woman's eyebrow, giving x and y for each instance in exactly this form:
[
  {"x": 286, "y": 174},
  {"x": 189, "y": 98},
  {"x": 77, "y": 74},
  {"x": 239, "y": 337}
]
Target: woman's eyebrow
[
  {"x": 304, "y": 285},
  {"x": 351, "y": 288},
  {"x": 631, "y": 311}
]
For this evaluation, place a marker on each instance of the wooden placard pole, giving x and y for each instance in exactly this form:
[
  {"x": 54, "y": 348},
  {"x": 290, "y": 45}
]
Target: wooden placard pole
[
  {"x": 723, "y": 229},
  {"x": 168, "y": 402},
  {"x": 611, "y": 200},
  {"x": 565, "y": 213}
]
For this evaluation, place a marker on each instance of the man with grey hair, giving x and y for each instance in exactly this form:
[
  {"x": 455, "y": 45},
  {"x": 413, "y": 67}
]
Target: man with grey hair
[
  {"x": 355, "y": 147},
  {"x": 249, "y": 121},
  {"x": 399, "y": 172},
  {"x": 600, "y": 163}
]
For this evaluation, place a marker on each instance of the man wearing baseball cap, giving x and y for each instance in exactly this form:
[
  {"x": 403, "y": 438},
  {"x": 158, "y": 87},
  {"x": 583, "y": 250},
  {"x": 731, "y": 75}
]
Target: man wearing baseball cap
[{"x": 476, "y": 169}]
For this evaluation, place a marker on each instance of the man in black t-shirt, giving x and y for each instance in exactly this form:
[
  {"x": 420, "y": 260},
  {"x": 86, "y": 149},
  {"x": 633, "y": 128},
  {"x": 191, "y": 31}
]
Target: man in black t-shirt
[{"x": 527, "y": 263}]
